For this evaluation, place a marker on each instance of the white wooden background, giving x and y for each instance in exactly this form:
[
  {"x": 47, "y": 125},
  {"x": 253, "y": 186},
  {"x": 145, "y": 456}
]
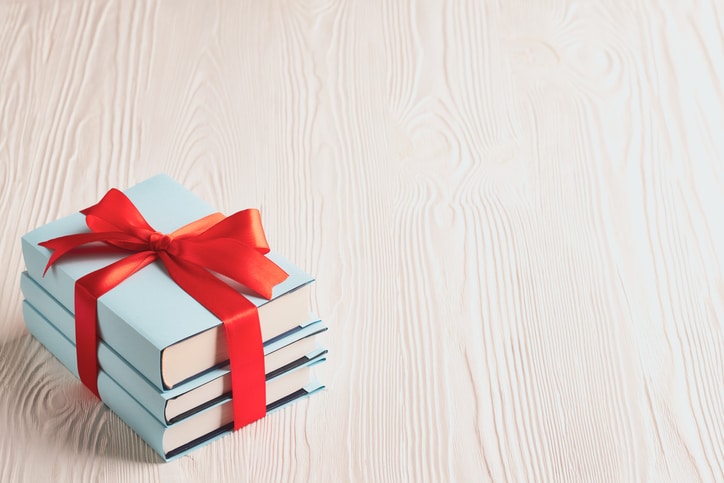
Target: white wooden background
[{"x": 514, "y": 210}]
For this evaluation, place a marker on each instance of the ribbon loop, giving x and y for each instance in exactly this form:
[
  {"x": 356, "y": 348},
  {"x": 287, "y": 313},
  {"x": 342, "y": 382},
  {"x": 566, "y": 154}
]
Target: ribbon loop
[{"x": 233, "y": 246}]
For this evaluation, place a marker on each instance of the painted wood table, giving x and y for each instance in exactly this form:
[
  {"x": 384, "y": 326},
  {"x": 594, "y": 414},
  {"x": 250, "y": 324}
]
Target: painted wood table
[{"x": 513, "y": 210}]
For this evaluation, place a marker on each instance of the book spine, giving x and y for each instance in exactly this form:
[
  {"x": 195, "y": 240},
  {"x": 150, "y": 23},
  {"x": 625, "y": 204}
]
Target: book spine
[
  {"x": 40, "y": 299},
  {"x": 131, "y": 345},
  {"x": 64, "y": 350},
  {"x": 132, "y": 413},
  {"x": 51, "y": 339}
]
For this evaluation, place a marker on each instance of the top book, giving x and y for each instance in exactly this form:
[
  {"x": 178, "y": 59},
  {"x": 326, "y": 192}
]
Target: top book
[{"x": 149, "y": 320}]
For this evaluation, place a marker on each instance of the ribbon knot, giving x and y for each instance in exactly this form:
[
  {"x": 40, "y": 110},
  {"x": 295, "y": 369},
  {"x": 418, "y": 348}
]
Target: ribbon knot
[
  {"x": 159, "y": 242},
  {"x": 231, "y": 246}
]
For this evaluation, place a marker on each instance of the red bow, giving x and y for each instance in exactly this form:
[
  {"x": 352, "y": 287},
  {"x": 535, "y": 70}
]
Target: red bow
[{"x": 233, "y": 246}]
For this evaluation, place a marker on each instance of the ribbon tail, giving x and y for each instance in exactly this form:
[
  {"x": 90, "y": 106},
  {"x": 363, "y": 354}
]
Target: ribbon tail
[
  {"x": 241, "y": 324},
  {"x": 63, "y": 245}
]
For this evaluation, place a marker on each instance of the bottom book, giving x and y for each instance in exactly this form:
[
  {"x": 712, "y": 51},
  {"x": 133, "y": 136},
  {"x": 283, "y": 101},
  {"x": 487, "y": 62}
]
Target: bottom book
[{"x": 177, "y": 439}]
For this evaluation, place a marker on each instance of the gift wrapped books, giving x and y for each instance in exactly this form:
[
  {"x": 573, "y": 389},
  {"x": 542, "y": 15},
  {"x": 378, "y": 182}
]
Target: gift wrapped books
[{"x": 169, "y": 327}]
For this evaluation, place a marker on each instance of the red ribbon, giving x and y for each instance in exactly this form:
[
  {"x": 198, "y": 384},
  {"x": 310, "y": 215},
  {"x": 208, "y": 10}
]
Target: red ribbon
[{"x": 233, "y": 246}]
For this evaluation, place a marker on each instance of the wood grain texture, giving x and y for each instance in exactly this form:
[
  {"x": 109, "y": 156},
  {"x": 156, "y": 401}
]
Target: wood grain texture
[{"x": 512, "y": 208}]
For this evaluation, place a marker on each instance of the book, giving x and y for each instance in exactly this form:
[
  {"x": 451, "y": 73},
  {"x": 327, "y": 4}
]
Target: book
[
  {"x": 281, "y": 355},
  {"x": 149, "y": 320},
  {"x": 174, "y": 440}
]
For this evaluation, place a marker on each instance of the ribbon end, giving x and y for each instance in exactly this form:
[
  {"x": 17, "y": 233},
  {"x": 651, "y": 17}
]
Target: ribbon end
[
  {"x": 53, "y": 257},
  {"x": 265, "y": 287}
]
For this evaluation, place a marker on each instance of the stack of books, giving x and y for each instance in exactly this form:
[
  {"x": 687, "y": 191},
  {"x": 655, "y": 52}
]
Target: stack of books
[{"x": 163, "y": 357}]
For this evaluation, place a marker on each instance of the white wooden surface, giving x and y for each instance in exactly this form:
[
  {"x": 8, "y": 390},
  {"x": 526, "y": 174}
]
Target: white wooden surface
[{"x": 513, "y": 210}]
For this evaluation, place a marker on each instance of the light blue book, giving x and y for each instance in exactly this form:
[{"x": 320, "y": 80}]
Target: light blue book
[
  {"x": 149, "y": 320},
  {"x": 281, "y": 355},
  {"x": 181, "y": 437}
]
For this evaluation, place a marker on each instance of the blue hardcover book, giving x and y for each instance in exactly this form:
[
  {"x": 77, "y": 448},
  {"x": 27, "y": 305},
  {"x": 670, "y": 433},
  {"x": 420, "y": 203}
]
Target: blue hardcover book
[
  {"x": 169, "y": 406},
  {"x": 149, "y": 320},
  {"x": 181, "y": 437}
]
